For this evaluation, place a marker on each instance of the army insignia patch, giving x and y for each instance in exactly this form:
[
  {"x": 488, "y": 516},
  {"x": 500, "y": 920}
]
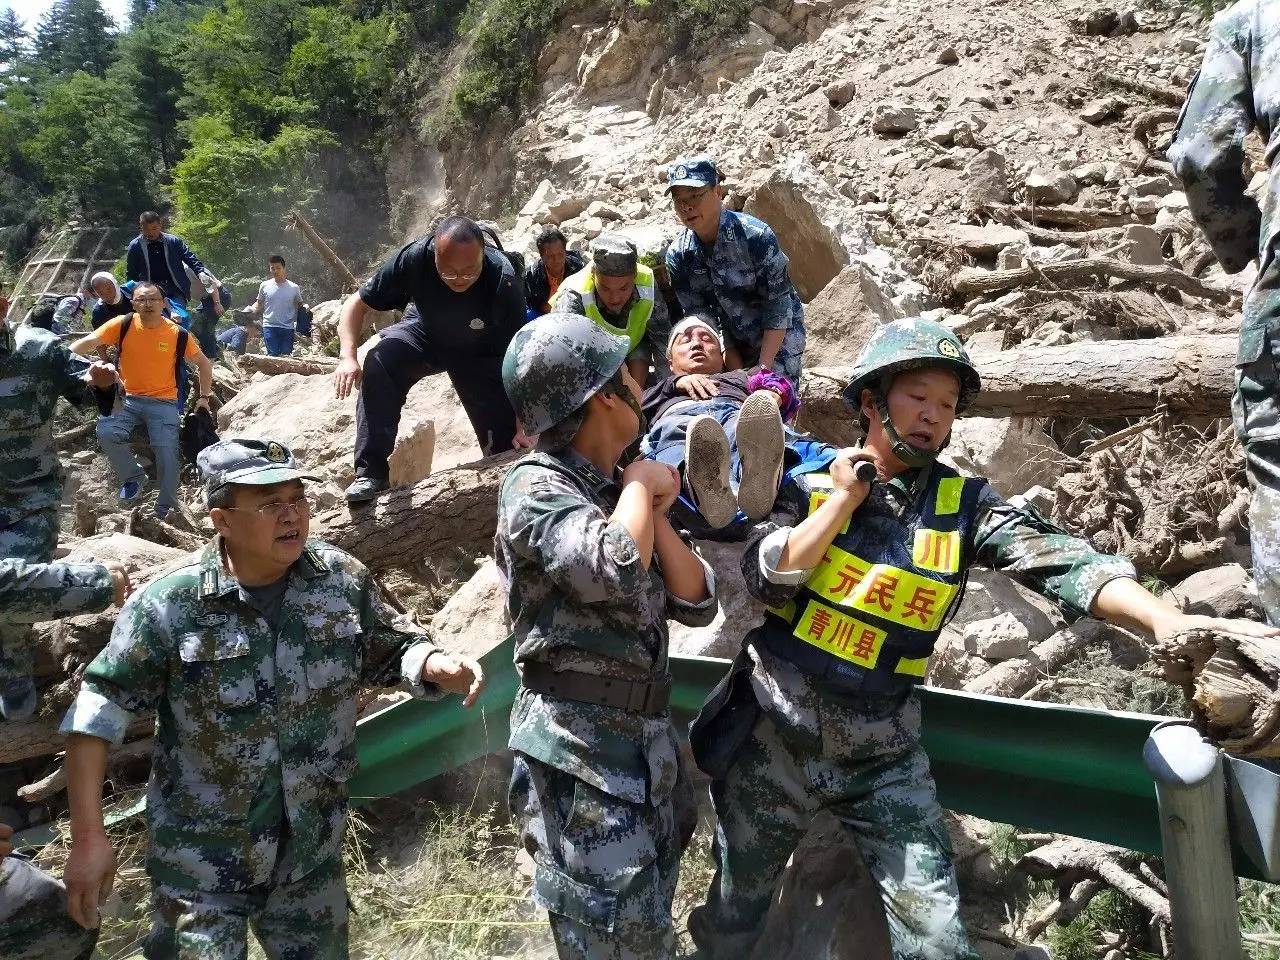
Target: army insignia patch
[
  {"x": 681, "y": 172},
  {"x": 477, "y": 324},
  {"x": 948, "y": 349},
  {"x": 277, "y": 453},
  {"x": 212, "y": 619}
]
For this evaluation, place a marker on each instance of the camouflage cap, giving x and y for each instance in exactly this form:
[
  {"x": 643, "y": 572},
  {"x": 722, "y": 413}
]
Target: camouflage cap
[
  {"x": 911, "y": 344},
  {"x": 613, "y": 255},
  {"x": 247, "y": 461},
  {"x": 554, "y": 364},
  {"x": 699, "y": 171}
]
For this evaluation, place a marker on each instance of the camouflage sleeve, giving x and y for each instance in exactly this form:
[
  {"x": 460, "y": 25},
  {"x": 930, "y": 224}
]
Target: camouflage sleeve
[
  {"x": 763, "y": 580},
  {"x": 129, "y": 675},
  {"x": 773, "y": 281},
  {"x": 1208, "y": 149},
  {"x": 31, "y": 592},
  {"x": 548, "y": 521},
  {"x": 395, "y": 648},
  {"x": 69, "y": 373},
  {"x": 691, "y": 301},
  {"x": 1021, "y": 543},
  {"x": 658, "y": 330}
]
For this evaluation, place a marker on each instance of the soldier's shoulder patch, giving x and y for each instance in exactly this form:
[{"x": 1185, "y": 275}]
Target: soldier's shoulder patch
[{"x": 212, "y": 619}]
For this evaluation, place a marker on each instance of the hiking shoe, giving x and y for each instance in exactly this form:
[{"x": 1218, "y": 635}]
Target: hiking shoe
[
  {"x": 17, "y": 699},
  {"x": 706, "y": 470},
  {"x": 132, "y": 490},
  {"x": 365, "y": 489},
  {"x": 760, "y": 446}
]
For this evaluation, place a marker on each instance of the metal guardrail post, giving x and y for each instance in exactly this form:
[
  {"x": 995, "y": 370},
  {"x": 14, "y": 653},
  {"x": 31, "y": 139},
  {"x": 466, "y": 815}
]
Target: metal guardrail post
[{"x": 1191, "y": 792}]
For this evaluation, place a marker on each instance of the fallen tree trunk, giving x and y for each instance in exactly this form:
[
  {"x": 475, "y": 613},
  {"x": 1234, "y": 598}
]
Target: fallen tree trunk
[
  {"x": 1075, "y": 273},
  {"x": 1081, "y": 218},
  {"x": 451, "y": 510},
  {"x": 56, "y": 782},
  {"x": 38, "y": 738},
  {"x": 261, "y": 363},
  {"x": 1192, "y": 376},
  {"x": 1231, "y": 681}
]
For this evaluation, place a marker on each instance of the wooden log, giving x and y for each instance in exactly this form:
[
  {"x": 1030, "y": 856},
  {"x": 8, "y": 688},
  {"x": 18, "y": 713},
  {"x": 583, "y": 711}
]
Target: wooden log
[
  {"x": 1082, "y": 218},
  {"x": 1193, "y": 376},
  {"x": 261, "y": 363},
  {"x": 303, "y": 225},
  {"x": 56, "y": 782},
  {"x": 451, "y": 510},
  {"x": 39, "y": 738},
  {"x": 1076, "y": 273},
  {"x": 1160, "y": 94}
]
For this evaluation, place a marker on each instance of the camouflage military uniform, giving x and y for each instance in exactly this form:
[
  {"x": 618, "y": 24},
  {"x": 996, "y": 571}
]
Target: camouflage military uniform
[
  {"x": 255, "y": 743},
  {"x": 33, "y": 905},
  {"x": 743, "y": 282},
  {"x": 602, "y": 795},
  {"x": 838, "y": 728},
  {"x": 1238, "y": 89},
  {"x": 35, "y": 369}
]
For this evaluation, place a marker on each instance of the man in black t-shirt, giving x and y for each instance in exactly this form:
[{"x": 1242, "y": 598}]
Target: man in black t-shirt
[{"x": 467, "y": 304}]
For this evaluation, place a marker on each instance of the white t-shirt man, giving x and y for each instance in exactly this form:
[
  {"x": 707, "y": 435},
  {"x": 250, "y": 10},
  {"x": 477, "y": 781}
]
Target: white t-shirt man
[{"x": 278, "y": 302}]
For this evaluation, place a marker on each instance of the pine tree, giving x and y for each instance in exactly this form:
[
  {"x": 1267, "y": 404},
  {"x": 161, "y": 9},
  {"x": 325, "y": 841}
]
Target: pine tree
[
  {"x": 13, "y": 39},
  {"x": 75, "y": 35},
  {"x": 138, "y": 9}
]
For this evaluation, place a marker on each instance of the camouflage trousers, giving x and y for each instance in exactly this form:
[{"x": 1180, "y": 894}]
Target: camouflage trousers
[
  {"x": 873, "y": 776},
  {"x": 606, "y": 867},
  {"x": 34, "y": 924},
  {"x": 1255, "y": 412},
  {"x": 301, "y": 920},
  {"x": 33, "y": 539}
]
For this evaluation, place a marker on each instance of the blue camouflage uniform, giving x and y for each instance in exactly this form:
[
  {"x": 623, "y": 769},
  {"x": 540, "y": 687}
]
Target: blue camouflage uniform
[
  {"x": 742, "y": 281},
  {"x": 1237, "y": 91},
  {"x": 601, "y": 793},
  {"x": 818, "y": 711},
  {"x": 36, "y": 368},
  {"x": 255, "y": 743}
]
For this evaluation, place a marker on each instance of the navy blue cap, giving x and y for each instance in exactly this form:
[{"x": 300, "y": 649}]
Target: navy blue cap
[{"x": 699, "y": 171}]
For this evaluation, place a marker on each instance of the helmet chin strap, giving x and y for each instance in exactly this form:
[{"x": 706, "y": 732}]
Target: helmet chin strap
[{"x": 908, "y": 453}]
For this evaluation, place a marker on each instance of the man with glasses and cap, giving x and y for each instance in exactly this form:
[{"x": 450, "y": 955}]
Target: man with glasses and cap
[
  {"x": 620, "y": 294},
  {"x": 730, "y": 265},
  {"x": 251, "y": 656},
  {"x": 467, "y": 303}
]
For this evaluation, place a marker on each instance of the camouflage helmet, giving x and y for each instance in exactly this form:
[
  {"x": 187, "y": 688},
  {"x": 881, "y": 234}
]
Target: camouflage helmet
[
  {"x": 554, "y": 364},
  {"x": 911, "y": 344}
]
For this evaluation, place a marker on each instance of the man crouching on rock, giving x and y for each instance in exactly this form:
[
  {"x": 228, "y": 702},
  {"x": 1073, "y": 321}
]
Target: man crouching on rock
[
  {"x": 251, "y": 656},
  {"x": 594, "y": 570},
  {"x": 818, "y": 712}
]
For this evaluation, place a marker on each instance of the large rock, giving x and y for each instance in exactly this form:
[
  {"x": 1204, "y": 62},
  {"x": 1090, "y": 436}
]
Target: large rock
[
  {"x": 987, "y": 179},
  {"x": 473, "y": 621},
  {"x": 303, "y": 413},
  {"x": 134, "y": 552},
  {"x": 815, "y": 252},
  {"x": 738, "y": 612},
  {"x": 1051, "y": 187},
  {"x": 1014, "y": 453},
  {"x": 1226, "y": 591},
  {"x": 615, "y": 56},
  {"x": 980, "y": 240},
  {"x": 990, "y": 594},
  {"x": 997, "y": 638},
  {"x": 838, "y": 320},
  {"x": 894, "y": 119}
]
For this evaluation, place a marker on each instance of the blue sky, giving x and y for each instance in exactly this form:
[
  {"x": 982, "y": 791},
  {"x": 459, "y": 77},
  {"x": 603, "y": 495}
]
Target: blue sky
[{"x": 30, "y": 10}]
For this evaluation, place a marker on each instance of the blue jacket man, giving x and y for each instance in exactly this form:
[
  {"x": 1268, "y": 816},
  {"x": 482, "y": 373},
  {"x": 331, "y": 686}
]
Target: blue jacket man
[{"x": 159, "y": 257}]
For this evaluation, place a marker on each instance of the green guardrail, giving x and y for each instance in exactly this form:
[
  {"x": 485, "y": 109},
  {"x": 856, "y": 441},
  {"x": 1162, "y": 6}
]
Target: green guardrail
[{"x": 1041, "y": 766}]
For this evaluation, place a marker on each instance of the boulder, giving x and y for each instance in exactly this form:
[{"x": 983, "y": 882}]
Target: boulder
[
  {"x": 951, "y": 666},
  {"x": 1099, "y": 111},
  {"x": 1050, "y": 188},
  {"x": 1014, "y": 453},
  {"x": 1226, "y": 591},
  {"x": 738, "y": 612},
  {"x": 987, "y": 179},
  {"x": 980, "y": 240},
  {"x": 997, "y": 638},
  {"x": 1142, "y": 246},
  {"x": 303, "y": 413},
  {"x": 615, "y": 56},
  {"x": 838, "y": 321},
  {"x": 894, "y": 119},
  {"x": 134, "y": 552},
  {"x": 473, "y": 621},
  {"x": 813, "y": 249},
  {"x": 840, "y": 93},
  {"x": 990, "y": 594}
]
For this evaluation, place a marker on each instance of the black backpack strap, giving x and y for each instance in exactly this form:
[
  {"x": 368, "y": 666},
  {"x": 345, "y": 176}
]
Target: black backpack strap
[
  {"x": 124, "y": 332},
  {"x": 179, "y": 363}
]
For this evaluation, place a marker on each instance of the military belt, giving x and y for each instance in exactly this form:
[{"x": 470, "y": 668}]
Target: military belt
[{"x": 635, "y": 696}]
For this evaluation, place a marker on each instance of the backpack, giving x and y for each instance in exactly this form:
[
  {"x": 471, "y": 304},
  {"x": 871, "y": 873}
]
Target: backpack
[
  {"x": 179, "y": 364},
  {"x": 302, "y": 324},
  {"x": 198, "y": 431}
]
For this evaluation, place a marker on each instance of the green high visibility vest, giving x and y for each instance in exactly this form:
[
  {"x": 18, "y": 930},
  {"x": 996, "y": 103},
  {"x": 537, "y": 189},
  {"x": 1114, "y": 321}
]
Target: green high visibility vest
[{"x": 583, "y": 283}]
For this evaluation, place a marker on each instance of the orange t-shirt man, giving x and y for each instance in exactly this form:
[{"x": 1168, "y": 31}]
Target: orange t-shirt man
[{"x": 147, "y": 362}]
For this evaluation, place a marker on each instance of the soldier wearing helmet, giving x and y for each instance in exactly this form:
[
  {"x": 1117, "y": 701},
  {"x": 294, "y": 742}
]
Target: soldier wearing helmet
[
  {"x": 818, "y": 711},
  {"x": 594, "y": 569}
]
